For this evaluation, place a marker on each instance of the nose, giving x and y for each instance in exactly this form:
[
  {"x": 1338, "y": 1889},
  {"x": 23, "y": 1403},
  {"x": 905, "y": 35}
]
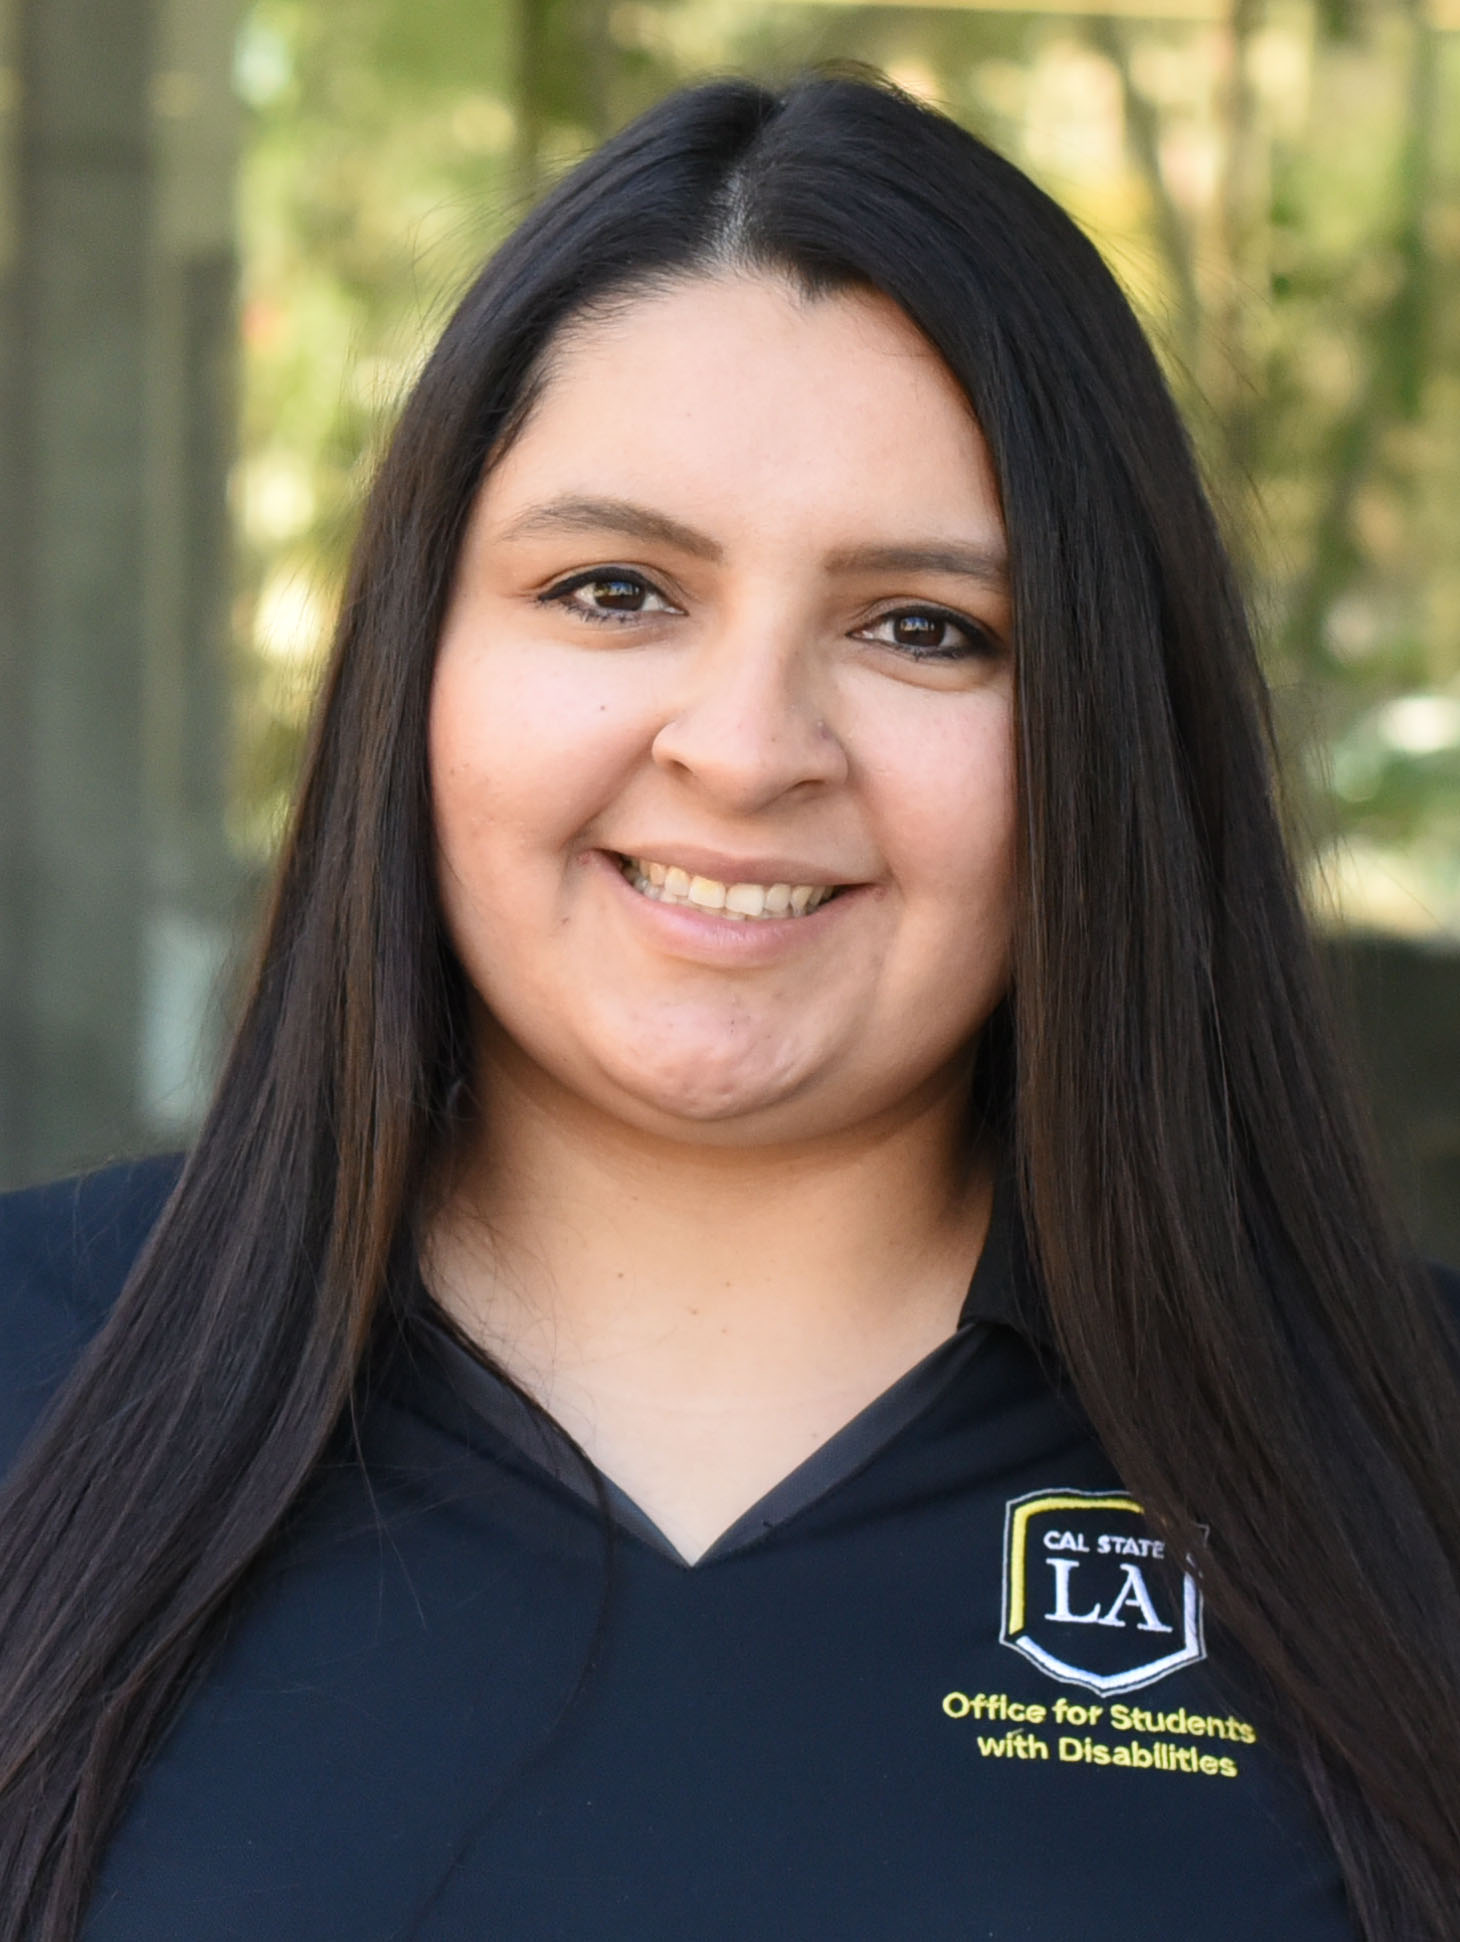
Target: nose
[{"x": 747, "y": 727}]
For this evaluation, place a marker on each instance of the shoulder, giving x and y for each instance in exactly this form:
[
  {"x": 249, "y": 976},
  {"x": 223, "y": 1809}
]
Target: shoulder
[{"x": 65, "y": 1251}]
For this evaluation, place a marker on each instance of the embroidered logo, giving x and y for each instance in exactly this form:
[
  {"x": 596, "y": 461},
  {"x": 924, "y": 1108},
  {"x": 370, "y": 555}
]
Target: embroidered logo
[{"x": 1087, "y": 1597}]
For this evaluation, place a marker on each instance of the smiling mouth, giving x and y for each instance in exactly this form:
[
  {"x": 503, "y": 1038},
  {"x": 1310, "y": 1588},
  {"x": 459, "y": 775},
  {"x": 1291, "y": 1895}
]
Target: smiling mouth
[{"x": 666, "y": 883}]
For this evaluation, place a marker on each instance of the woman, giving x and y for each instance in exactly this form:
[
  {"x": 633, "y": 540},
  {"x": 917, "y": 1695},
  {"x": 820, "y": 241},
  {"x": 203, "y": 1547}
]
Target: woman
[{"x": 789, "y": 828}]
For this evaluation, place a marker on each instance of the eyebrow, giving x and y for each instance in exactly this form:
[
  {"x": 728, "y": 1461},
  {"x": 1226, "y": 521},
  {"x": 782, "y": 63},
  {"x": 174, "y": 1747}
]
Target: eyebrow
[
  {"x": 573, "y": 514},
  {"x": 987, "y": 564}
]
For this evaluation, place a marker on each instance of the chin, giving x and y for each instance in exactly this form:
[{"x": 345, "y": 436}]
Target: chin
[{"x": 707, "y": 1090}]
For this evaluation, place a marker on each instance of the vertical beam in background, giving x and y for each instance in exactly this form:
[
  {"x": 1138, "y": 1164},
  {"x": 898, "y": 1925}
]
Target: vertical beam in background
[
  {"x": 116, "y": 426},
  {"x": 75, "y": 858},
  {"x": 12, "y": 740},
  {"x": 192, "y": 355}
]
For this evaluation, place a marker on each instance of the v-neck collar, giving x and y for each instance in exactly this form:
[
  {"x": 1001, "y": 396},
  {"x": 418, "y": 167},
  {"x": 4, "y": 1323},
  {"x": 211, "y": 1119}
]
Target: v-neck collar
[{"x": 997, "y": 1294}]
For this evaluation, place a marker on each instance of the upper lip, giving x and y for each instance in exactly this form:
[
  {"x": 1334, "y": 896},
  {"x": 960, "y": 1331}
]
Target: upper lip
[{"x": 739, "y": 869}]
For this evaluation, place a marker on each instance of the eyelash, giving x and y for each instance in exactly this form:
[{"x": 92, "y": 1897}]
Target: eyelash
[
  {"x": 979, "y": 640},
  {"x": 560, "y": 595}
]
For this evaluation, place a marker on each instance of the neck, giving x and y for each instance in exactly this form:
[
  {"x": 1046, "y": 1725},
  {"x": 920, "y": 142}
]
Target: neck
[{"x": 645, "y": 1288}]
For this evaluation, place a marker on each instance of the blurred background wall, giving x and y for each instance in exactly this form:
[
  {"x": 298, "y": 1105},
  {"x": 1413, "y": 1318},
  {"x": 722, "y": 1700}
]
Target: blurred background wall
[{"x": 228, "y": 232}]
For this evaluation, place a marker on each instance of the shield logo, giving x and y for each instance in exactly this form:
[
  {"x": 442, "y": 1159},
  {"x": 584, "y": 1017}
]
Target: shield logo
[{"x": 1087, "y": 1595}]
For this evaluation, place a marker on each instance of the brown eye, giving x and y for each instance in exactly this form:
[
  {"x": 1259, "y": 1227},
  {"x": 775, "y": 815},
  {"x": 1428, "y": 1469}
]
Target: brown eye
[
  {"x": 619, "y": 594},
  {"x": 607, "y": 595},
  {"x": 920, "y": 630},
  {"x": 929, "y": 634}
]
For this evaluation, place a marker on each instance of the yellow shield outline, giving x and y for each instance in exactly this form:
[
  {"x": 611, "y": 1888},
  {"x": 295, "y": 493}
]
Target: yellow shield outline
[{"x": 1017, "y": 1514}]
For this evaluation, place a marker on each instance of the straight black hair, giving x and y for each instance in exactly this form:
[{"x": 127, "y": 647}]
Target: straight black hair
[{"x": 1267, "y": 1370}]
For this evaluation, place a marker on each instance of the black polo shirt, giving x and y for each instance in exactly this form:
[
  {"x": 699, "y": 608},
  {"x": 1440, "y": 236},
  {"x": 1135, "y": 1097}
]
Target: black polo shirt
[{"x": 937, "y": 1684}]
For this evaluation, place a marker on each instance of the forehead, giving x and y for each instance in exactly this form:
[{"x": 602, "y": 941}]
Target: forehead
[{"x": 745, "y": 398}]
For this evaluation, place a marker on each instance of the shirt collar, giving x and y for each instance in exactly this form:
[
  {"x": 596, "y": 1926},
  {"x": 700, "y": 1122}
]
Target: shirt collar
[
  {"x": 1004, "y": 1289},
  {"x": 1001, "y": 1292}
]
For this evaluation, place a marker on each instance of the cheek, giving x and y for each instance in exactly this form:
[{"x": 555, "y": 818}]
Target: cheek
[
  {"x": 951, "y": 834},
  {"x": 523, "y": 753},
  {"x": 945, "y": 810},
  {"x": 952, "y": 815}
]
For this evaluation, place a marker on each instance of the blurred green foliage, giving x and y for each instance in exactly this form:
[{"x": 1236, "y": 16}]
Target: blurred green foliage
[{"x": 1277, "y": 182}]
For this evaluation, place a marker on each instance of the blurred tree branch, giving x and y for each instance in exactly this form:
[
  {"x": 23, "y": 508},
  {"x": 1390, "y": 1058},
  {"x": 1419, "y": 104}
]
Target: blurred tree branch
[
  {"x": 1229, "y": 375},
  {"x": 1143, "y": 139},
  {"x": 1395, "y": 344},
  {"x": 529, "y": 96}
]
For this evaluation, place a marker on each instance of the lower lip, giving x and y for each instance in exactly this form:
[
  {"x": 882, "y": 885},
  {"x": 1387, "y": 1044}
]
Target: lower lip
[{"x": 684, "y": 930}]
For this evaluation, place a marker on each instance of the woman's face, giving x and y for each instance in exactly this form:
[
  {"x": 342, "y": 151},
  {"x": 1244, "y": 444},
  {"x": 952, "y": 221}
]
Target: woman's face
[{"x": 721, "y": 732}]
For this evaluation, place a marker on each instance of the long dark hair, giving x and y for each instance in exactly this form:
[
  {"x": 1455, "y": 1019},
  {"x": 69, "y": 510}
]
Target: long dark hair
[{"x": 1264, "y": 1366}]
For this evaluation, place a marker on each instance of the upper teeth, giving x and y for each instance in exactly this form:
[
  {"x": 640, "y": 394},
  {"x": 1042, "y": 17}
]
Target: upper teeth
[{"x": 668, "y": 884}]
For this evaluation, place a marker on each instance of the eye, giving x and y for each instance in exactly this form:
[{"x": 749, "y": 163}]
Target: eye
[
  {"x": 931, "y": 634},
  {"x": 607, "y": 594}
]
